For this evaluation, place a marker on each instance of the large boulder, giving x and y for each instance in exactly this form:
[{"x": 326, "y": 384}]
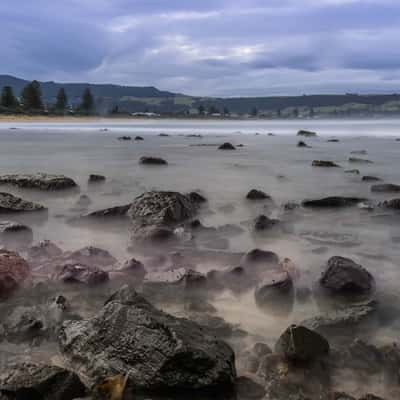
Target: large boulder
[
  {"x": 160, "y": 352},
  {"x": 39, "y": 181},
  {"x": 39, "y": 382},
  {"x": 299, "y": 343},
  {"x": 13, "y": 204},
  {"x": 385, "y": 188},
  {"x": 14, "y": 272},
  {"x": 256, "y": 194},
  {"x": 343, "y": 276},
  {"x": 332, "y": 202}
]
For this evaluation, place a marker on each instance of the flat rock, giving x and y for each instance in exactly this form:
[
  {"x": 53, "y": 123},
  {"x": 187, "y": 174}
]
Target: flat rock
[
  {"x": 359, "y": 160},
  {"x": 39, "y": 181},
  {"x": 107, "y": 213},
  {"x": 160, "y": 352},
  {"x": 332, "y": 202},
  {"x": 385, "y": 188},
  {"x": 369, "y": 178},
  {"x": 324, "y": 163},
  {"x": 13, "y": 204},
  {"x": 306, "y": 133},
  {"x": 95, "y": 178},
  {"x": 152, "y": 161}
]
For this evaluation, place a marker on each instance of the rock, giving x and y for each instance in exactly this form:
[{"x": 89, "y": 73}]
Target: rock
[
  {"x": 299, "y": 343},
  {"x": 39, "y": 181},
  {"x": 263, "y": 223},
  {"x": 40, "y": 382},
  {"x": 332, "y": 202},
  {"x": 91, "y": 255},
  {"x": 139, "y": 138},
  {"x": 227, "y": 146},
  {"x": 15, "y": 235},
  {"x": 352, "y": 171},
  {"x": 305, "y": 133},
  {"x": 160, "y": 351},
  {"x": 161, "y": 208},
  {"x": 361, "y": 152},
  {"x": 246, "y": 388},
  {"x": 302, "y": 144},
  {"x": 134, "y": 268},
  {"x": 13, "y": 204},
  {"x": 107, "y": 213},
  {"x": 385, "y": 188},
  {"x": 342, "y": 396},
  {"x": 152, "y": 234},
  {"x": 163, "y": 135},
  {"x": 44, "y": 250},
  {"x": 256, "y": 194},
  {"x": 394, "y": 204},
  {"x": 197, "y": 198},
  {"x": 257, "y": 256},
  {"x": 83, "y": 201},
  {"x": 322, "y": 163},
  {"x": 275, "y": 293},
  {"x": 84, "y": 274},
  {"x": 333, "y": 141},
  {"x": 152, "y": 161},
  {"x": 368, "y": 178},
  {"x": 14, "y": 273},
  {"x": 94, "y": 178},
  {"x": 124, "y": 138},
  {"x": 359, "y": 160},
  {"x": 344, "y": 277}
]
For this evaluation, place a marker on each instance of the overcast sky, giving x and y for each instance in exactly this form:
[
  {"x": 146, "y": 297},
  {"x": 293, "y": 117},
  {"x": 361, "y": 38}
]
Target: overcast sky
[{"x": 207, "y": 47}]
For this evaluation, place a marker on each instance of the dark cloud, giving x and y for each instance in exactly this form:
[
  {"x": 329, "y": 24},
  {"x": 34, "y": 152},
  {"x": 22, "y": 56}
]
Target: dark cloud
[{"x": 220, "y": 47}]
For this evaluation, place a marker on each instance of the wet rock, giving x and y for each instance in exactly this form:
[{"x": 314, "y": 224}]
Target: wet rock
[
  {"x": 40, "y": 382},
  {"x": 385, "y": 188},
  {"x": 197, "y": 198},
  {"x": 227, "y": 146},
  {"x": 369, "y": 178},
  {"x": 352, "y": 171},
  {"x": 343, "y": 276},
  {"x": 333, "y": 141},
  {"x": 299, "y": 343},
  {"x": 323, "y": 163},
  {"x": 263, "y": 223},
  {"x": 257, "y": 256},
  {"x": 332, "y": 202},
  {"x": 359, "y": 160},
  {"x": 152, "y": 161},
  {"x": 306, "y": 133},
  {"x": 152, "y": 234},
  {"x": 275, "y": 294},
  {"x": 15, "y": 235},
  {"x": 39, "y": 181},
  {"x": 161, "y": 352},
  {"x": 107, "y": 213},
  {"x": 134, "y": 268},
  {"x": 91, "y": 255},
  {"x": 14, "y": 273},
  {"x": 124, "y": 138},
  {"x": 139, "y": 138},
  {"x": 394, "y": 204},
  {"x": 199, "y": 305},
  {"x": 256, "y": 194},
  {"x": 163, "y": 135},
  {"x": 13, "y": 204},
  {"x": 94, "y": 178},
  {"x": 83, "y": 201},
  {"x": 84, "y": 274},
  {"x": 302, "y": 144},
  {"x": 246, "y": 388},
  {"x": 45, "y": 249}
]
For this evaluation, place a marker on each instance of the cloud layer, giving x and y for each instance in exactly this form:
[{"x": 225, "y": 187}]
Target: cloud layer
[{"x": 220, "y": 47}]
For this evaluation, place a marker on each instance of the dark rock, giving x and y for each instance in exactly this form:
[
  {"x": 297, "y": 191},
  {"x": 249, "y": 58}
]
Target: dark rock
[
  {"x": 263, "y": 223},
  {"x": 246, "y": 388},
  {"x": 15, "y": 235},
  {"x": 29, "y": 381},
  {"x": 227, "y": 146},
  {"x": 322, "y": 163},
  {"x": 342, "y": 396},
  {"x": 94, "y": 178},
  {"x": 256, "y": 194},
  {"x": 261, "y": 349},
  {"x": 258, "y": 256},
  {"x": 370, "y": 396},
  {"x": 360, "y": 152},
  {"x": 112, "y": 212},
  {"x": 333, "y": 140},
  {"x": 385, "y": 188},
  {"x": 91, "y": 255},
  {"x": 332, "y": 201},
  {"x": 84, "y": 274},
  {"x": 359, "y": 160},
  {"x": 305, "y": 133},
  {"x": 197, "y": 198},
  {"x": 10, "y": 204},
  {"x": 152, "y": 161},
  {"x": 161, "y": 352},
  {"x": 302, "y": 144},
  {"x": 14, "y": 273},
  {"x": 394, "y": 204},
  {"x": 163, "y": 135},
  {"x": 39, "y": 181},
  {"x": 138, "y": 138},
  {"x": 299, "y": 343},
  {"x": 352, "y": 171},
  {"x": 124, "y": 138},
  {"x": 368, "y": 178},
  {"x": 344, "y": 277}
]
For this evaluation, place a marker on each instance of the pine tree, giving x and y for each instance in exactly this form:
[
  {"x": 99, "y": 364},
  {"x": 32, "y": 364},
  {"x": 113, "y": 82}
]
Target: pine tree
[
  {"x": 201, "y": 110},
  {"x": 62, "y": 100},
  {"x": 7, "y": 98},
  {"x": 87, "y": 104},
  {"x": 254, "y": 112},
  {"x": 32, "y": 96}
]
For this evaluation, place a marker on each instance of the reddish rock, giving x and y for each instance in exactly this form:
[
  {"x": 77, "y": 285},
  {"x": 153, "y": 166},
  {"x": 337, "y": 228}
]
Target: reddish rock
[{"x": 14, "y": 272}]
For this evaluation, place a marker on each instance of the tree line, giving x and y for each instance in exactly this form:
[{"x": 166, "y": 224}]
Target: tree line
[{"x": 30, "y": 101}]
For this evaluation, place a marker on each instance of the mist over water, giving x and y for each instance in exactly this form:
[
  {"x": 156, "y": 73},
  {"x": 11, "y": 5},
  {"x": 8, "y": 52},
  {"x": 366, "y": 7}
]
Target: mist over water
[{"x": 273, "y": 164}]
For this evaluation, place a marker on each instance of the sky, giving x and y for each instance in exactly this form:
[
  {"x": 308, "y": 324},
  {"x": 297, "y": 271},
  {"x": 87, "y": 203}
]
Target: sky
[{"x": 207, "y": 47}]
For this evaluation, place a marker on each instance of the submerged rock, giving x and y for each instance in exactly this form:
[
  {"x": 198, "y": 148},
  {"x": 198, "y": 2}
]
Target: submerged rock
[
  {"x": 306, "y": 133},
  {"x": 40, "y": 382},
  {"x": 361, "y": 152},
  {"x": 152, "y": 161},
  {"x": 352, "y": 171},
  {"x": 160, "y": 351},
  {"x": 257, "y": 256},
  {"x": 299, "y": 343},
  {"x": 45, "y": 249},
  {"x": 15, "y": 235},
  {"x": 227, "y": 146},
  {"x": 10, "y": 204},
  {"x": 385, "y": 188},
  {"x": 323, "y": 163},
  {"x": 139, "y": 138},
  {"x": 124, "y": 138},
  {"x": 107, "y": 213},
  {"x": 333, "y": 141},
  {"x": 256, "y": 194},
  {"x": 369, "y": 178},
  {"x": 302, "y": 144},
  {"x": 333, "y": 201},
  {"x": 14, "y": 273},
  {"x": 39, "y": 181},
  {"x": 94, "y": 178},
  {"x": 263, "y": 223},
  {"x": 359, "y": 160}
]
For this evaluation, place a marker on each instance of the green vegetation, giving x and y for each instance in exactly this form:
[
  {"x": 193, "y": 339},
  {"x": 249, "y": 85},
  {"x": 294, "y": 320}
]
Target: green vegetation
[
  {"x": 62, "y": 101},
  {"x": 31, "y": 97},
  {"x": 8, "y": 100}
]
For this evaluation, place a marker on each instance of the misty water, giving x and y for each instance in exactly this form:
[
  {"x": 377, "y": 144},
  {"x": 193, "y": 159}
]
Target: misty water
[{"x": 273, "y": 164}]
